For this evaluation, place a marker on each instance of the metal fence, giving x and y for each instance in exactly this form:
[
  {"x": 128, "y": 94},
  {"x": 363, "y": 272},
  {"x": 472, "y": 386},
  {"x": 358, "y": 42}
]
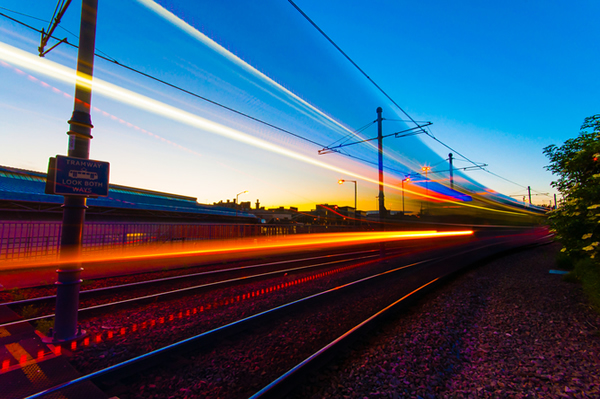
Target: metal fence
[{"x": 20, "y": 240}]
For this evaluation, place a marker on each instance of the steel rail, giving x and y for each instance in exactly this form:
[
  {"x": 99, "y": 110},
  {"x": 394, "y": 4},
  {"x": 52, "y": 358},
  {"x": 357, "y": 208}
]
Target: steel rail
[
  {"x": 214, "y": 335},
  {"x": 179, "y": 291},
  {"x": 172, "y": 278},
  {"x": 285, "y": 383}
]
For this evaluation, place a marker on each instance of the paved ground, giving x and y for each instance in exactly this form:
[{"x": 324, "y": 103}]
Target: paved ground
[{"x": 506, "y": 329}]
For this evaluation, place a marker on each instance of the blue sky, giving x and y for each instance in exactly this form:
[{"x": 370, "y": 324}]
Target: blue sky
[{"x": 499, "y": 81}]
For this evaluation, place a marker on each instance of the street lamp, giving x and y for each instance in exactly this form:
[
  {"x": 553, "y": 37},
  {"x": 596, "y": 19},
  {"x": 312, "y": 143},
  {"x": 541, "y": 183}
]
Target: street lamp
[
  {"x": 406, "y": 179},
  {"x": 236, "y": 201},
  {"x": 341, "y": 181},
  {"x": 425, "y": 169}
]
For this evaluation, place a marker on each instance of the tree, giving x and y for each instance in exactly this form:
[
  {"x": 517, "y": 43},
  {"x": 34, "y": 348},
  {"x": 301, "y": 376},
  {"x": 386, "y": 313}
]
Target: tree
[{"x": 577, "y": 164}]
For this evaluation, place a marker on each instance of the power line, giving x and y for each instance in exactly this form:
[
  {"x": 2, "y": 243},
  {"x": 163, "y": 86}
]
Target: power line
[
  {"x": 20, "y": 13},
  {"x": 385, "y": 94},
  {"x": 354, "y": 133},
  {"x": 450, "y": 148},
  {"x": 346, "y": 138},
  {"x": 112, "y": 60},
  {"x": 510, "y": 181},
  {"x": 353, "y": 63}
]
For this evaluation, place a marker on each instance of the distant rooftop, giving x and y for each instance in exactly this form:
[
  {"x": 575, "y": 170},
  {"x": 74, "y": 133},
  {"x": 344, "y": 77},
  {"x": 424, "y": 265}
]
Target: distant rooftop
[{"x": 29, "y": 186}]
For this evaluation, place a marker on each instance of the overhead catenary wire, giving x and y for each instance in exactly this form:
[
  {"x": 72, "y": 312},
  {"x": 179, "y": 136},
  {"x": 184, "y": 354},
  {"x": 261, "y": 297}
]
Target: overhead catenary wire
[
  {"x": 112, "y": 60},
  {"x": 346, "y": 138},
  {"x": 59, "y": 11},
  {"x": 428, "y": 133},
  {"x": 353, "y": 63}
]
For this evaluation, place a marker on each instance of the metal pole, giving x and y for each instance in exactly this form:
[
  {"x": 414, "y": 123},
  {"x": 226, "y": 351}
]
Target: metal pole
[
  {"x": 80, "y": 128},
  {"x": 402, "y": 197},
  {"x": 529, "y": 191},
  {"x": 237, "y": 201},
  {"x": 554, "y": 201},
  {"x": 355, "y": 190},
  {"x": 451, "y": 172},
  {"x": 381, "y": 197},
  {"x": 380, "y": 147}
]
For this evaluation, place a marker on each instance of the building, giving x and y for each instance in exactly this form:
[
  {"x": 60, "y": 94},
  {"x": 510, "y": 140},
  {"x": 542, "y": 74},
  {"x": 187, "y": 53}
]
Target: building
[{"x": 23, "y": 197}]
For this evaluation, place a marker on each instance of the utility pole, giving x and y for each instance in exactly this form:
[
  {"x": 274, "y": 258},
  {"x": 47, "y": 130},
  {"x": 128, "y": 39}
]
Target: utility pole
[
  {"x": 380, "y": 153},
  {"x": 529, "y": 191},
  {"x": 554, "y": 201},
  {"x": 451, "y": 172},
  {"x": 380, "y": 137},
  {"x": 382, "y": 210},
  {"x": 80, "y": 128}
]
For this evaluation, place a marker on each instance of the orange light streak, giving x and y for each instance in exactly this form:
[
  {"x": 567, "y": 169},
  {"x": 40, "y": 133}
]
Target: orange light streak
[{"x": 134, "y": 259}]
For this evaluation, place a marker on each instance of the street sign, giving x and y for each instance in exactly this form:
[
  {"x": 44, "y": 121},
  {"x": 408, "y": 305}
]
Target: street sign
[{"x": 77, "y": 176}]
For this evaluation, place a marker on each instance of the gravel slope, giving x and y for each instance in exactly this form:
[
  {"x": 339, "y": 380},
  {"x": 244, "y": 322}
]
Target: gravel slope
[{"x": 505, "y": 329}]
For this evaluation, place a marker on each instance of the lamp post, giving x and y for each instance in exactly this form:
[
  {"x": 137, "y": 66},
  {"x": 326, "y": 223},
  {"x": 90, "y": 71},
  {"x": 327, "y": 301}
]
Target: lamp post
[
  {"x": 342, "y": 181},
  {"x": 406, "y": 179},
  {"x": 426, "y": 169},
  {"x": 236, "y": 200}
]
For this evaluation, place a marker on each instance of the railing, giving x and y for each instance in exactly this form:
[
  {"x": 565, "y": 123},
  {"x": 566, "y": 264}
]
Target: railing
[{"x": 20, "y": 240}]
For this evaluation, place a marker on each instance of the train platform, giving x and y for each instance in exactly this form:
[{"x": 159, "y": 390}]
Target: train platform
[{"x": 30, "y": 366}]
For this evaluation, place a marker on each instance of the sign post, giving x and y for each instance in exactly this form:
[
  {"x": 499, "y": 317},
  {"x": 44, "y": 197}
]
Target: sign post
[{"x": 80, "y": 128}]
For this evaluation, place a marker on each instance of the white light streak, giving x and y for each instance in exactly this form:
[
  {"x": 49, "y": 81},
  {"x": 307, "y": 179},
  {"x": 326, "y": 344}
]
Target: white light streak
[
  {"x": 54, "y": 70},
  {"x": 196, "y": 34}
]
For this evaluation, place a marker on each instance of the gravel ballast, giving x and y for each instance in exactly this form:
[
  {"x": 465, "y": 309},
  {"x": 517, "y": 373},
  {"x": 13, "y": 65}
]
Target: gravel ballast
[{"x": 508, "y": 329}]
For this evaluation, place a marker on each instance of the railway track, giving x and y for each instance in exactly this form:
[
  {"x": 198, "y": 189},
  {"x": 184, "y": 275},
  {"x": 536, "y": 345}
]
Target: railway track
[
  {"x": 205, "y": 278},
  {"x": 103, "y": 299},
  {"x": 290, "y": 338}
]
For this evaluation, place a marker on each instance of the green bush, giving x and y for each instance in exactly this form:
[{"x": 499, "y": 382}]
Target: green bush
[
  {"x": 30, "y": 311},
  {"x": 576, "y": 222},
  {"x": 564, "y": 262},
  {"x": 588, "y": 272},
  {"x": 44, "y": 325},
  {"x": 17, "y": 294}
]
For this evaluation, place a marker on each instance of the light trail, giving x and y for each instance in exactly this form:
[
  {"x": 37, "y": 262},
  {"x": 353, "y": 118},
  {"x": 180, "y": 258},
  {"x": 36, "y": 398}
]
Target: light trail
[
  {"x": 104, "y": 113},
  {"x": 219, "y": 248},
  {"x": 60, "y": 72},
  {"x": 196, "y": 34}
]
